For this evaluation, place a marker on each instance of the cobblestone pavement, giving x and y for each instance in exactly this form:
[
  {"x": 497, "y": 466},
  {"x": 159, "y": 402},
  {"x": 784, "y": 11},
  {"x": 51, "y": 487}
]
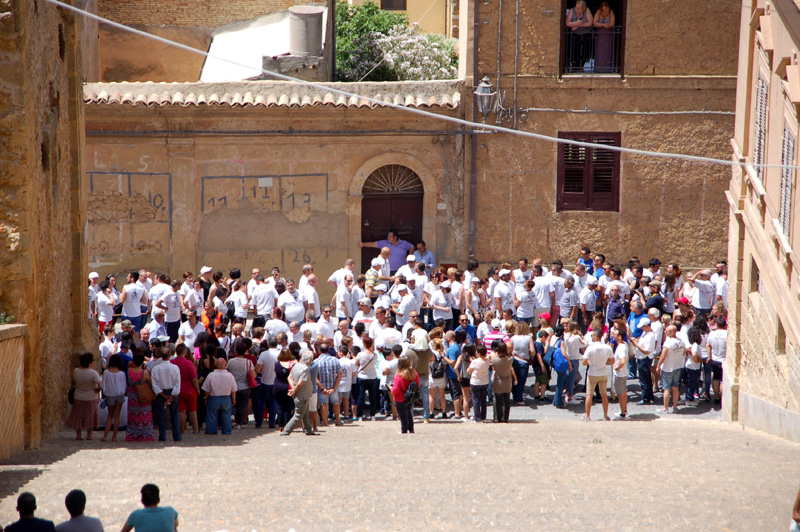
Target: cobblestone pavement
[{"x": 672, "y": 473}]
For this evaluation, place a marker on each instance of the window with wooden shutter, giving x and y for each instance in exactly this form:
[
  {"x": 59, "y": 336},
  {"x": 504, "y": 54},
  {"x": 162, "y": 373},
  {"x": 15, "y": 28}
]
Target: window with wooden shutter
[
  {"x": 393, "y": 5},
  {"x": 760, "y": 133},
  {"x": 787, "y": 180},
  {"x": 588, "y": 178}
]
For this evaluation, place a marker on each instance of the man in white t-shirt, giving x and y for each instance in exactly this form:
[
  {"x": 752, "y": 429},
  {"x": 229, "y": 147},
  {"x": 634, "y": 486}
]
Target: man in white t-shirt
[
  {"x": 365, "y": 313},
  {"x": 545, "y": 293},
  {"x": 293, "y": 303},
  {"x": 344, "y": 298},
  {"x": 588, "y": 300},
  {"x": 704, "y": 292},
  {"x": 308, "y": 271},
  {"x": 266, "y": 366},
  {"x": 598, "y": 356},
  {"x": 337, "y": 278},
  {"x": 403, "y": 309},
  {"x": 378, "y": 324},
  {"x": 645, "y": 351},
  {"x": 159, "y": 288},
  {"x": 132, "y": 298},
  {"x": 325, "y": 323},
  {"x": 263, "y": 299},
  {"x": 407, "y": 269},
  {"x": 520, "y": 275},
  {"x": 580, "y": 276},
  {"x": 252, "y": 283},
  {"x": 170, "y": 303},
  {"x": 504, "y": 293},
  {"x": 717, "y": 348},
  {"x": 673, "y": 356},
  {"x": 569, "y": 302},
  {"x": 311, "y": 295}
]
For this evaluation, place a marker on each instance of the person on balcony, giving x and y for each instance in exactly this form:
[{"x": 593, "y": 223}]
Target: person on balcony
[
  {"x": 604, "y": 22},
  {"x": 579, "y": 22}
]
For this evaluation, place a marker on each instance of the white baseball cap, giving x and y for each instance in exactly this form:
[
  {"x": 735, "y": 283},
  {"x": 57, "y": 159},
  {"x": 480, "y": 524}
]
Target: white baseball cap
[
  {"x": 411, "y": 258},
  {"x": 504, "y": 272},
  {"x": 402, "y": 288},
  {"x": 205, "y": 269},
  {"x": 475, "y": 280},
  {"x": 644, "y": 322},
  {"x": 94, "y": 275},
  {"x": 591, "y": 279},
  {"x": 445, "y": 284},
  {"x": 381, "y": 287},
  {"x": 377, "y": 261},
  {"x": 495, "y": 323}
]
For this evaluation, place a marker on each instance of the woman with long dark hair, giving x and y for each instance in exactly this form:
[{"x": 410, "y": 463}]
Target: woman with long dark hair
[{"x": 280, "y": 390}]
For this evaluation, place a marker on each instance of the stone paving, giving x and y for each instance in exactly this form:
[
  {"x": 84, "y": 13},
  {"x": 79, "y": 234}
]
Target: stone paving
[{"x": 670, "y": 473}]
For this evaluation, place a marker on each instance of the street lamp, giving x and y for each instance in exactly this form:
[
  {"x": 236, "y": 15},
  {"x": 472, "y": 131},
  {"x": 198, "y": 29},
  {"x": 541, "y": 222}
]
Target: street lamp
[{"x": 485, "y": 97}]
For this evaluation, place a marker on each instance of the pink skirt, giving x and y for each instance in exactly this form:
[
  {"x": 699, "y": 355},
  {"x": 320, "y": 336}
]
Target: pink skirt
[{"x": 84, "y": 415}]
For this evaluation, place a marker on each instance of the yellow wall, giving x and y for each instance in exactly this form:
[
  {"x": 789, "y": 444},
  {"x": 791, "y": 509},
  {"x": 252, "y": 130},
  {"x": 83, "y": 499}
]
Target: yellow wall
[{"x": 430, "y": 20}]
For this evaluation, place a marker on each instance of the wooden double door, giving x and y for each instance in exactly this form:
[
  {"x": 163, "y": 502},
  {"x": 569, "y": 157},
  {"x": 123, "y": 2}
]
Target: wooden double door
[{"x": 381, "y": 213}]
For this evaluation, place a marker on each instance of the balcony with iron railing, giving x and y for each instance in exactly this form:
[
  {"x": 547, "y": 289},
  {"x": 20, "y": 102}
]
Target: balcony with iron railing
[{"x": 593, "y": 50}]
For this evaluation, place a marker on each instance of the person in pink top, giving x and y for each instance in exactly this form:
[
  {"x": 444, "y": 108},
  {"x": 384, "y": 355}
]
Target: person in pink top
[{"x": 190, "y": 388}]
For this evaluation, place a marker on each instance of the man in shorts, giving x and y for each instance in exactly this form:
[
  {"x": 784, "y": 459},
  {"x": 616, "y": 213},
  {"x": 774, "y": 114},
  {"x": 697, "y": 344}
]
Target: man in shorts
[
  {"x": 329, "y": 375},
  {"x": 597, "y": 357},
  {"x": 669, "y": 367}
]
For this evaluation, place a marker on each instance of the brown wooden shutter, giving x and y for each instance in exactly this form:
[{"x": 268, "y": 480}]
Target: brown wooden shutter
[
  {"x": 787, "y": 181},
  {"x": 588, "y": 178},
  {"x": 604, "y": 194},
  {"x": 760, "y": 133}
]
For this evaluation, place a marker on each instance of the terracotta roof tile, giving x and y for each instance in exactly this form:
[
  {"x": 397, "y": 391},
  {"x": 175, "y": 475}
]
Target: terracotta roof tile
[{"x": 275, "y": 94}]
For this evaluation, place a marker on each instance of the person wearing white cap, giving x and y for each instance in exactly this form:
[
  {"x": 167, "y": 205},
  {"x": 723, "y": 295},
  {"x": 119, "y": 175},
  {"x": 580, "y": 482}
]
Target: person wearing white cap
[
  {"x": 365, "y": 313},
  {"x": 384, "y": 300},
  {"x": 645, "y": 349},
  {"x": 442, "y": 305},
  {"x": 504, "y": 293},
  {"x": 405, "y": 306},
  {"x": 588, "y": 301},
  {"x": 94, "y": 288},
  {"x": 407, "y": 269},
  {"x": 373, "y": 277}
]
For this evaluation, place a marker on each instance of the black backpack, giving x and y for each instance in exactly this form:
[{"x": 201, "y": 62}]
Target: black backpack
[
  {"x": 412, "y": 393},
  {"x": 438, "y": 367},
  {"x": 231, "y": 314}
]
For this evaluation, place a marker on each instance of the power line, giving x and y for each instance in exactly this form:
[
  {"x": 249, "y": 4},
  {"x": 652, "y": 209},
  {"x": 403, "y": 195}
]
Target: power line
[{"x": 421, "y": 112}]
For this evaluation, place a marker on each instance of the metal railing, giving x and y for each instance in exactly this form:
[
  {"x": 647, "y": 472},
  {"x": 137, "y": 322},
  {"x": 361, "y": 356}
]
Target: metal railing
[{"x": 596, "y": 51}]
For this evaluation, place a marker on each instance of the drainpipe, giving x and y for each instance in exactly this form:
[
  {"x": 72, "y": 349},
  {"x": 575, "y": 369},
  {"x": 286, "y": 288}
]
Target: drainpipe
[
  {"x": 516, "y": 63},
  {"x": 499, "y": 41},
  {"x": 473, "y": 178}
]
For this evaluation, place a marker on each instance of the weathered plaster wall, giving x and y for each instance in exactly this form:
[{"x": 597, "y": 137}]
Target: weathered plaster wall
[
  {"x": 125, "y": 56},
  {"x": 42, "y": 270},
  {"x": 236, "y": 200},
  {"x": 199, "y": 13}
]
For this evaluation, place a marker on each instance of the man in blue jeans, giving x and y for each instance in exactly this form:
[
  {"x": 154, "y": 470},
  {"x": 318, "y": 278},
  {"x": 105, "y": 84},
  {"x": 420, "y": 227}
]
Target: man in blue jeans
[
  {"x": 220, "y": 392},
  {"x": 266, "y": 366},
  {"x": 166, "y": 379},
  {"x": 645, "y": 351}
]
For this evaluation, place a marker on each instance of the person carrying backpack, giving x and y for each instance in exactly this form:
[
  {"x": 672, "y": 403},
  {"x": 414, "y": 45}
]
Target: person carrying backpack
[
  {"x": 562, "y": 366},
  {"x": 406, "y": 392},
  {"x": 436, "y": 380}
]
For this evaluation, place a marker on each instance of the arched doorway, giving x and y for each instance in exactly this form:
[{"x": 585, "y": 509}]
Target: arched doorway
[{"x": 391, "y": 199}]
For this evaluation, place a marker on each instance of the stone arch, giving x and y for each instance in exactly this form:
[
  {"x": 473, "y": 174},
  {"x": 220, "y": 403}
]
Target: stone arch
[{"x": 430, "y": 191}]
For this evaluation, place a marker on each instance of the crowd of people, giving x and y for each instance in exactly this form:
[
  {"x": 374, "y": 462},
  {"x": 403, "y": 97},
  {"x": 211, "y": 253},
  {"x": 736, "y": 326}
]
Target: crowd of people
[
  {"x": 394, "y": 341},
  {"x": 151, "y": 518}
]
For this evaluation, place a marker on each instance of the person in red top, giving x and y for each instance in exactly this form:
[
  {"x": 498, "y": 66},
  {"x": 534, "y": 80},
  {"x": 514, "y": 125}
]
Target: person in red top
[
  {"x": 405, "y": 375},
  {"x": 190, "y": 388}
]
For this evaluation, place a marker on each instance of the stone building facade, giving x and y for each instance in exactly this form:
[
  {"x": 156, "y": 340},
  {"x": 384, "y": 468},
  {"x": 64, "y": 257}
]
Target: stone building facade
[
  {"x": 42, "y": 204},
  {"x": 762, "y": 369}
]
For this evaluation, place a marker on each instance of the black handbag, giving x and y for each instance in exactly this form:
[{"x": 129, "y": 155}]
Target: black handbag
[{"x": 71, "y": 394}]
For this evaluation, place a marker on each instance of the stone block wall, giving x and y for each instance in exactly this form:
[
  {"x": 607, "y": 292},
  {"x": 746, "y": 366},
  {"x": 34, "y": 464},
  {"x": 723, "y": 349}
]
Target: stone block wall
[
  {"x": 12, "y": 398},
  {"x": 199, "y": 13},
  {"x": 42, "y": 267}
]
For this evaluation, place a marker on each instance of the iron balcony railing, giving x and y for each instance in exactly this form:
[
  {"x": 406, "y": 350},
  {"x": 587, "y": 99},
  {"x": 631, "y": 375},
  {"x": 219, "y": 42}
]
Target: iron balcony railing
[{"x": 592, "y": 50}]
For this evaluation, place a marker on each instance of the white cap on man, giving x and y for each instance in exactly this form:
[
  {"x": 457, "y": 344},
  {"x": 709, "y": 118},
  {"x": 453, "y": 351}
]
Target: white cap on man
[
  {"x": 205, "y": 269},
  {"x": 377, "y": 261},
  {"x": 644, "y": 322},
  {"x": 504, "y": 272},
  {"x": 411, "y": 258},
  {"x": 94, "y": 275}
]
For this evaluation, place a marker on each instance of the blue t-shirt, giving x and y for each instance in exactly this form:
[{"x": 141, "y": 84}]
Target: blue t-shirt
[
  {"x": 452, "y": 353},
  {"x": 472, "y": 332},
  {"x": 158, "y": 519},
  {"x": 589, "y": 263},
  {"x": 399, "y": 252},
  {"x": 633, "y": 323}
]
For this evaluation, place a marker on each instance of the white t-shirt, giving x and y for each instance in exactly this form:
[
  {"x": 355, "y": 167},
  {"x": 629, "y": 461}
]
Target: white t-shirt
[
  {"x": 557, "y": 284},
  {"x": 194, "y": 301},
  {"x": 391, "y": 365},
  {"x": 718, "y": 340},
  {"x": 344, "y": 300},
  {"x": 171, "y": 300},
  {"x": 312, "y": 298},
  {"x": 107, "y": 349},
  {"x": 274, "y": 327},
  {"x": 375, "y": 328},
  {"x": 105, "y": 310},
  {"x": 348, "y": 366},
  {"x": 337, "y": 338},
  {"x": 309, "y": 326},
  {"x": 598, "y": 354},
  {"x": 456, "y": 290},
  {"x": 479, "y": 377},
  {"x": 621, "y": 359},
  {"x": 658, "y": 334},
  {"x": 239, "y": 299},
  {"x": 133, "y": 300},
  {"x": 338, "y": 276},
  {"x": 519, "y": 277},
  {"x": 443, "y": 300},
  {"x": 366, "y": 319},
  {"x": 326, "y": 327},
  {"x": 388, "y": 338},
  {"x": 587, "y": 298},
  {"x": 190, "y": 333},
  {"x": 292, "y": 305},
  {"x": 155, "y": 294},
  {"x": 267, "y": 361},
  {"x": 384, "y": 301},
  {"x": 572, "y": 346},
  {"x": 506, "y": 295},
  {"x": 251, "y": 286},
  {"x": 647, "y": 342},
  {"x": 698, "y": 351},
  {"x": 527, "y": 301},
  {"x": 263, "y": 299},
  {"x": 367, "y": 365},
  {"x": 542, "y": 289},
  {"x": 358, "y": 294},
  {"x": 404, "y": 309},
  {"x": 703, "y": 296},
  {"x": 675, "y": 355}
]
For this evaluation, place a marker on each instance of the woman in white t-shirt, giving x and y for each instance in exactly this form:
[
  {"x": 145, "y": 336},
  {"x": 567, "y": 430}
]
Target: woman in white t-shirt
[
  {"x": 479, "y": 383},
  {"x": 573, "y": 343},
  {"x": 694, "y": 364},
  {"x": 367, "y": 362},
  {"x": 348, "y": 366},
  {"x": 240, "y": 301},
  {"x": 717, "y": 352},
  {"x": 442, "y": 304},
  {"x": 105, "y": 305}
]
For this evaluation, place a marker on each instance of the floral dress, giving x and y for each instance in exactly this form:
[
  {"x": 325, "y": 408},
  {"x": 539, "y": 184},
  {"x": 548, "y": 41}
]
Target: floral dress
[{"x": 140, "y": 416}]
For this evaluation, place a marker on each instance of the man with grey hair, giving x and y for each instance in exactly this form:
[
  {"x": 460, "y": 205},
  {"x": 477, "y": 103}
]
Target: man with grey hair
[
  {"x": 310, "y": 293},
  {"x": 301, "y": 390},
  {"x": 294, "y": 334},
  {"x": 308, "y": 271},
  {"x": 157, "y": 327}
]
